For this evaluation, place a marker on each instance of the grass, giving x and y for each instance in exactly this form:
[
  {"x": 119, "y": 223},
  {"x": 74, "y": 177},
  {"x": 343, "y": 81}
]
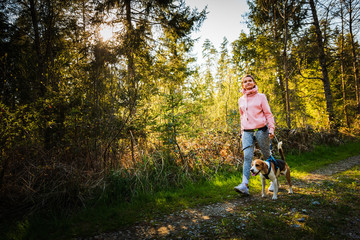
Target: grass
[
  {"x": 322, "y": 156},
  {"x": 107, "y": 216},
  {"x": 323, "y": 210}
]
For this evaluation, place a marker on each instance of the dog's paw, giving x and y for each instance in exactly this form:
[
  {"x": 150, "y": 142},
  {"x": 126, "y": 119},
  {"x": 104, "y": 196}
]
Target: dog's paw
[
  {"x": 291, "y": 191},
  {"x": 274, "y": 197},
  {"x": 263, "y": 195}
]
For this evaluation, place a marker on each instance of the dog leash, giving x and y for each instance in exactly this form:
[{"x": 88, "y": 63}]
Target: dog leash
[
  {"x": 271, "y": 147},
  {"x": 276, "y": 138}
]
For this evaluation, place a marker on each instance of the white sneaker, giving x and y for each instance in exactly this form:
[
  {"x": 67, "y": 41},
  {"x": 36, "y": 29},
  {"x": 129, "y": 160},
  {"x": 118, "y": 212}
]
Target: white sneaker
[
  {"x": 242, "y": 188},
  {"x": 271, "y": 188}
]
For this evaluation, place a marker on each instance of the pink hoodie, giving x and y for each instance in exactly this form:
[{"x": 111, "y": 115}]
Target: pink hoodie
[{"x": 255, "y": 111}]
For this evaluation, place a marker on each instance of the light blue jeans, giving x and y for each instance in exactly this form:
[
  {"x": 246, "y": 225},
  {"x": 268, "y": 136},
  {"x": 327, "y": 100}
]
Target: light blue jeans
[{"x": 248, "y": 145}]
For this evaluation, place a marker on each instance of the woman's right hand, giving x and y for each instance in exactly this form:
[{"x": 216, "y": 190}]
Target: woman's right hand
[{"x": 271, "y": 135}]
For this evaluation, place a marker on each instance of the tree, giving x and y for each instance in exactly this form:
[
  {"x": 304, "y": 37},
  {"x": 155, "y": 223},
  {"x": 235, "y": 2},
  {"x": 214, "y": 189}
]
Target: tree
[
  {"x": 209, "y": 53},
  {"x": 279, "y": 20},
  {"x": 353, "y": 9},
  {"x": 140, "y": 19},
  {"x": 342, "y": 64},
  {"x": 323, "y": 64}
]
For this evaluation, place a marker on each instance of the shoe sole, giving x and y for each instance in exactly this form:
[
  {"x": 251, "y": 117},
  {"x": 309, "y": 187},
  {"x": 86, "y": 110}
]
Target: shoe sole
[{"x": 237, "y": 190}]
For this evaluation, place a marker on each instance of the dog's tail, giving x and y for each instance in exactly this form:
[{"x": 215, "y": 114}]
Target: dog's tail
[{"x": 281, "y": 151}]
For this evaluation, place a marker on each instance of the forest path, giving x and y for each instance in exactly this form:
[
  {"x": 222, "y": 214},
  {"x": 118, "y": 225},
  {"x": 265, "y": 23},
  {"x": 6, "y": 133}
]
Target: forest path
[{"x": 200, "y": 222}]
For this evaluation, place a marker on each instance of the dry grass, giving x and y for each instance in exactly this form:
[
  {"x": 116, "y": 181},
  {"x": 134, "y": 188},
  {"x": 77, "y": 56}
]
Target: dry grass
[{"x": 68, "y": 177}]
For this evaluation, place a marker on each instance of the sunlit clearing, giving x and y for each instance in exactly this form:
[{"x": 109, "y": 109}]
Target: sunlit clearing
[{"x": 106, "y": 32}]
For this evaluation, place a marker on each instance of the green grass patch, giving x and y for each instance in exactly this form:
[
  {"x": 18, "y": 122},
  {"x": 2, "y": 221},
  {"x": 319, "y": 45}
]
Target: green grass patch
[
  {"x": 314, "y": 212},
  {"x": 322, "y": 156},
  {"x": 111, "y": 215}
]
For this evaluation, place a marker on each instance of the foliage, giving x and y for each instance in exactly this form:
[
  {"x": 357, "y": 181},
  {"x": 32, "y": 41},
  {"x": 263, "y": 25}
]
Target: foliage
[
  {"x": 84, "y": 119},
  {"x": 123, "y": 202}
]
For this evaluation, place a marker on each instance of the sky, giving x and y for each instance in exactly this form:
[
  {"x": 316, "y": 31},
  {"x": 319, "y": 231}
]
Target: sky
[{"x": 224, "y": 19}]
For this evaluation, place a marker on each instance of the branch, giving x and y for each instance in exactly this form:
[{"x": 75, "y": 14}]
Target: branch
[
  {"x": 309, "y": 77},
  {"x": 331, "y": 62}
]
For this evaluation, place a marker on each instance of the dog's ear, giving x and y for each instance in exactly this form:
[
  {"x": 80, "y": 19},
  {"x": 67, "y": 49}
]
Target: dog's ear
[{"x": 264, "y": 167}]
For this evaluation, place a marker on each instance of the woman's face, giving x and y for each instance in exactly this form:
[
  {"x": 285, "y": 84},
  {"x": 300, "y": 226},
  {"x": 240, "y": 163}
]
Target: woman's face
[{"x": 248, "y": 83}]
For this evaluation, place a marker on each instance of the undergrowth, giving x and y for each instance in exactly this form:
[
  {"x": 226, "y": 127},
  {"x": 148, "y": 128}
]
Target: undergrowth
[{"x": 128, "y": 198}]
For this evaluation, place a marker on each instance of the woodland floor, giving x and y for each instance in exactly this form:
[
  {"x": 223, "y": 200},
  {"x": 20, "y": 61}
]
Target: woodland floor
[{"x": 325, "y": 205}]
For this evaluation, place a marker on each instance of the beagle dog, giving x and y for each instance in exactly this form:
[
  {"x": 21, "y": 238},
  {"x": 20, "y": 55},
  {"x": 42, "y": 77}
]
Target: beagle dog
[{"x": 272, "y": 169}]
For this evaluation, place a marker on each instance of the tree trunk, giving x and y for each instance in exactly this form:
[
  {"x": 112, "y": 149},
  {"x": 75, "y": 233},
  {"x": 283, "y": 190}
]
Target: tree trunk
[
  {"x": 322, "y": 60},
  {"x": 130, "y": 58},
  {"x": 343, "y": 84},
  {"x": 283, "y": 91},
  {"x": 354, "y": 56},
  {"x": 286, "y": 74},
  {"x": 84, "y": 35},
  {"x": 278, "y": 64},
  {"x": 39, "y": 71}
]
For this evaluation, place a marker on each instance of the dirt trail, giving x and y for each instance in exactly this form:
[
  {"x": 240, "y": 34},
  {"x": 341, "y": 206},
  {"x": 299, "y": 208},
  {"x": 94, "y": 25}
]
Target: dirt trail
[
  {"x": 337, "y": 167},
  {"x": 194, "y": 220}
]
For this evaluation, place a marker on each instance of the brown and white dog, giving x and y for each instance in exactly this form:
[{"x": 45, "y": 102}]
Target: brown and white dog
[{"x": 267, "y": 170}]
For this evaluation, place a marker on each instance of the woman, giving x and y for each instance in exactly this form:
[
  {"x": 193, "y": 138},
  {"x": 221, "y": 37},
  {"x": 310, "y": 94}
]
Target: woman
[{"x": 257, "y": 123}]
